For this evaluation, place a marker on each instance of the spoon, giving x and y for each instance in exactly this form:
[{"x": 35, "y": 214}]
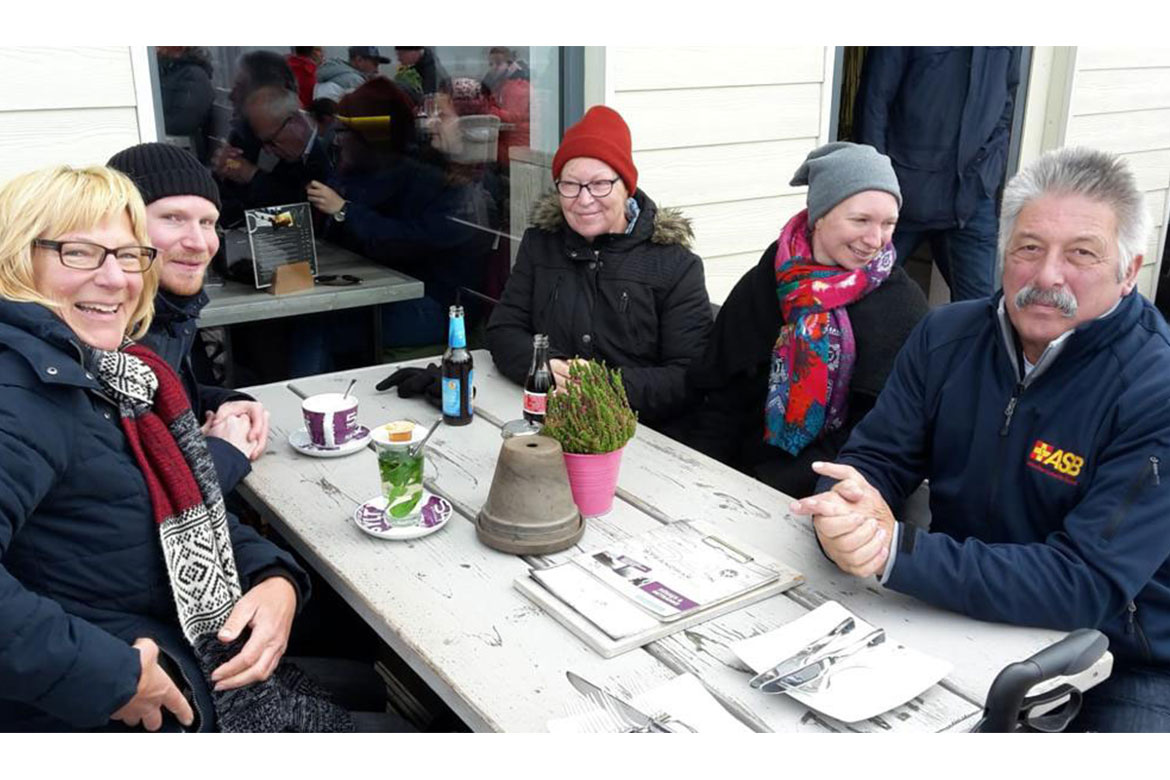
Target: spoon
[
  {"x": 417, "y": 448},
  {"x": 352, "y": 382}
]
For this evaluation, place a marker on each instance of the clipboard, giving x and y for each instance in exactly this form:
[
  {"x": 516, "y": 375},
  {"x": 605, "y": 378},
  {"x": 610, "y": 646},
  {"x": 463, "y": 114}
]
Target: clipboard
[{"x": 280, "y": 236}]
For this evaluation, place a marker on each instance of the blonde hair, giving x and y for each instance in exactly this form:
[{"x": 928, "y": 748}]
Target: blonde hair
[{"x": 51, "y": 202}]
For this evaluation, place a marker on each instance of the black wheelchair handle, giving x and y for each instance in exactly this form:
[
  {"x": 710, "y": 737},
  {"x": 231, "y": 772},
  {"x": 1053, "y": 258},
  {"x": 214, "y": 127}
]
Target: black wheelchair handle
[{"x": 1074, "y": 654}]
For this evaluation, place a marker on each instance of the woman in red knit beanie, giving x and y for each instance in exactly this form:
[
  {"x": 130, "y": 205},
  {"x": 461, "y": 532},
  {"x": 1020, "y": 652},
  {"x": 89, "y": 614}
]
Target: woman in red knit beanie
[{"x": 606, "y": 275}]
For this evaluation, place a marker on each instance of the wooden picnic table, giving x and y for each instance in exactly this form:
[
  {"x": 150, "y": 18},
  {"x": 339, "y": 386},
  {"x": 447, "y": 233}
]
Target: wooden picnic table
[{"x": 446, "y": 604}]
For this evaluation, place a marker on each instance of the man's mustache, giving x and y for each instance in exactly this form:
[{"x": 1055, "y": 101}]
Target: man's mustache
[{"x": 1058, "y": 297}]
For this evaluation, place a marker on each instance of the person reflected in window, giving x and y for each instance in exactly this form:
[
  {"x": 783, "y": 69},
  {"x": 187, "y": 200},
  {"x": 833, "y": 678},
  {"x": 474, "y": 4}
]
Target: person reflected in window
[
  {"x": 512, "y": 103},
  {"x": 289, "y": 155},
  {"x": 387, "y": 204},
  {"x": 184, "y": 74},
  {"x": 803, "y": 344},
  {"x": 420, "y": 73},
  {"x": 606, "y": 274},
  {"x": 336, "y": 77},
  {"x": 303, "y": 61}
]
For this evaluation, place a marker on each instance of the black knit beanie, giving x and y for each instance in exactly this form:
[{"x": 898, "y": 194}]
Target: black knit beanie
[{"x": 162, "y": 170}]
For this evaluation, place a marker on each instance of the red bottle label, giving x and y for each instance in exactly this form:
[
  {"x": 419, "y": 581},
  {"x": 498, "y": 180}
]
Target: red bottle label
[{"x": 535, "y": 403}]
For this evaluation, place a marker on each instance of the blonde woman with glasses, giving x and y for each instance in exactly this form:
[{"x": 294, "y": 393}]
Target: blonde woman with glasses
[{"x": 124, "y": 584}]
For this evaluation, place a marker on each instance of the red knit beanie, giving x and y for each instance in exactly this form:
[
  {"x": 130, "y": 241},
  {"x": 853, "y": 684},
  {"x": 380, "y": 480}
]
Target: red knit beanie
[{"x": 603, "y": 135}]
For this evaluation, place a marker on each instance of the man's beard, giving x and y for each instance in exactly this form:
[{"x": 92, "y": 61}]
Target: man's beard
[
  {"x": 182, "y": 283},
  {"x": 1060, "y": 297}
]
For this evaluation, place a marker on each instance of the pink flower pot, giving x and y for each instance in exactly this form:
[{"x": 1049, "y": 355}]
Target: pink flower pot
[{"x": 593, "y": 480}]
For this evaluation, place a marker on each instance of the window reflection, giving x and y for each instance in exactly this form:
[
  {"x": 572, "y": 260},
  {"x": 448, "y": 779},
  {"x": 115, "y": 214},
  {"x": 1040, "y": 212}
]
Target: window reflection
[{"x": 404, "y": 152}]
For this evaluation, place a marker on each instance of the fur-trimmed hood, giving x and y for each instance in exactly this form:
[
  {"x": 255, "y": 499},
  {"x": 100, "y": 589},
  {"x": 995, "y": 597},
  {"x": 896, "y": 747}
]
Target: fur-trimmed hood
[{"x": 670, "y": 226}]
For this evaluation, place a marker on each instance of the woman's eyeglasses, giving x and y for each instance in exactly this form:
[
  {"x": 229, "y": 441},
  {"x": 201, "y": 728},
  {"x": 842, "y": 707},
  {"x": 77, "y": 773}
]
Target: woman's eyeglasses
[
  {"x": 86, "y": 256},
  {"x": 598, "y": 189}
]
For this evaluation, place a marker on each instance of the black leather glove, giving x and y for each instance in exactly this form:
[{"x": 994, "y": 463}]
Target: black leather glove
[{"x": 411, "y": 382}]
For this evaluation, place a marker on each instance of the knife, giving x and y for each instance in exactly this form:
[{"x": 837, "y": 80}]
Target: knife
[
  {"x": 635, "y": 716},
  {"x": 820, "y": 664},
  {"x": 798, "y": 661}
]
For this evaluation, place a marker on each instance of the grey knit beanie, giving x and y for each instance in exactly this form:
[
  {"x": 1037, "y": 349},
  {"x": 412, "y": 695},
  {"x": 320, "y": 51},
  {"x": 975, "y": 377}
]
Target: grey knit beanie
[
  {"x": 835, "y": 171},
  {"x": 161, "y": 170}
]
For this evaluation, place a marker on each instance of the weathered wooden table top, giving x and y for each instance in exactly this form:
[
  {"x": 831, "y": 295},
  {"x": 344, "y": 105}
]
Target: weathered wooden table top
[{"x": 446, "y": 604}]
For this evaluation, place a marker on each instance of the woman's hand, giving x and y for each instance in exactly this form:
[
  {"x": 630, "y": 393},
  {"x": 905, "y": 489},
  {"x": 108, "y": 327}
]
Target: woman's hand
[
  {"x": 234, "y": 429},
  {"x": 258, "y": 419},
  {"x": 324, "y": 198},
  {"x": 155, "y": 692},
  {"x": 560, "y": 369},
  {"x": 268, "y": 609}
]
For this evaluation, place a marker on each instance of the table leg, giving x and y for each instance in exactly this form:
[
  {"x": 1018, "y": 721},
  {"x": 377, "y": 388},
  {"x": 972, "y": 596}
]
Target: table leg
[{"x": 377, "y": 310}]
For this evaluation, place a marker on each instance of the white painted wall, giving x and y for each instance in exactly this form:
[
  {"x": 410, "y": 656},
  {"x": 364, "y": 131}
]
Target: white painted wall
[
  {"x": 1120, "y": 101},
  {"x": 75, "y": 105},
  {"x": 719, "y": 137}
]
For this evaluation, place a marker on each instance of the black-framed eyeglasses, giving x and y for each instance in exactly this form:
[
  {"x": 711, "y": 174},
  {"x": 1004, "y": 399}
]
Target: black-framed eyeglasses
[
  {"x": 271, "y": 140},
  {"x": 338, "y": 280},
  {"x": 598, "y": 189},
  {"x": 87, "y": 256}
]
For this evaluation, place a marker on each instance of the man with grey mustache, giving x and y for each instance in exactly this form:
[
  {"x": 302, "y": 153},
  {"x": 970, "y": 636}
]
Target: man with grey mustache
[{"x": 1041, "y": 418}]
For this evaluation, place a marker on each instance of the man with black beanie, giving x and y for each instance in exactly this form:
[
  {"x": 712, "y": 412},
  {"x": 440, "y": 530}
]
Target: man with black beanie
[{"x": 182, "y": 207}]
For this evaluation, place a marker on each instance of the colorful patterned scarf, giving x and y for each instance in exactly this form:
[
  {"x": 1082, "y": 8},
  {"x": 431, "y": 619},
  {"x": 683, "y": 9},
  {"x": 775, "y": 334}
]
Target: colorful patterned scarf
[
  {"x": 188, "y": 506},
  {"x": 812, "y": 360}
]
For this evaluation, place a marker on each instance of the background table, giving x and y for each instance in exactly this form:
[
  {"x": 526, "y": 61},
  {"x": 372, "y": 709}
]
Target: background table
[
  {"x": 446, "y": 604},
  {"x": 233, "y": 302}
]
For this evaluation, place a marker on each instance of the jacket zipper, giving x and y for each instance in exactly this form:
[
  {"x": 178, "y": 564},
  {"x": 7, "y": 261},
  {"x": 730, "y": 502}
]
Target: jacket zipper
[
  {"x": 1131, "y": 495},
  {"x": 1008, "y": 412},
  {"x": 1011, "y": 408},
  {"x": 1132, "y": 626},
  {"x": 625, "y": 304}
]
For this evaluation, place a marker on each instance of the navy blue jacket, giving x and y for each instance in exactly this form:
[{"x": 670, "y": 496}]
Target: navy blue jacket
[
  {"x": 172, "y": 334},
  {"x": 943, "y": 114},
  {"x": 81, "y": 566},
  {"x": 1051, "y": 512}
]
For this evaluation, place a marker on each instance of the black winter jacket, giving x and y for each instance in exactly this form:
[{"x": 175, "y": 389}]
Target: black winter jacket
[
  {"x": 187, "y": 96},
  {"x": 943, "y": 114},
  {"x": 172, "y": 334},
  {"x": 637, "y": 302},
  {"x": 82, "y": 573},
  {"x": 731, "y": 378}
]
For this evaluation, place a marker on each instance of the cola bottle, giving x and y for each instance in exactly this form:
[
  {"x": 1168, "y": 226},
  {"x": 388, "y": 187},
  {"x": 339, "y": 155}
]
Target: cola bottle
[{"x": 540, "y": 382}]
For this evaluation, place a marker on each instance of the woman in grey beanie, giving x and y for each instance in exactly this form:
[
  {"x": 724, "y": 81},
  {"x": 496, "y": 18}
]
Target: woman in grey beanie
[{"x": 806, "y": 339}]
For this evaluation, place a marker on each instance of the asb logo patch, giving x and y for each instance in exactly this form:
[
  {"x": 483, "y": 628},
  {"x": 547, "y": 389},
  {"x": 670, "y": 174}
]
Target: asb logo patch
[{"x": 1065, "y": 466}]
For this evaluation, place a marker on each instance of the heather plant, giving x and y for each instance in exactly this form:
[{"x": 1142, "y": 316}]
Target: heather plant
[{"x": 591, "y": 414}]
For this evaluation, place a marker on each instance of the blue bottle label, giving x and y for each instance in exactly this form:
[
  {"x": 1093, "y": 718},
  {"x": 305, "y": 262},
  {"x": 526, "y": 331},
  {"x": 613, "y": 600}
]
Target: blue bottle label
[
  {"x": 451, "y": 397},
  {"x": 471, "y": 391},
  {"x": 456, "y": 333}
]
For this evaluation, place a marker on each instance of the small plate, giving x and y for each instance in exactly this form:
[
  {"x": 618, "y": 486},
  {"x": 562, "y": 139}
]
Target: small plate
[
  {"x": 299, "y": 440},
  {"x": 432, "y": 513}
]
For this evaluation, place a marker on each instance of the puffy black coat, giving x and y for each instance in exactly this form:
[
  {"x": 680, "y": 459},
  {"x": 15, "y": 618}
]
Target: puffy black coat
[
  {"x": 943, "y": 114},
  {"x": 637, "y": 301},
  {"x": 172, "y": 334},
  {"x": 187, "y": 96},
  {"x": 81, "y": 565},
  {"x": 731, "y": 378}
]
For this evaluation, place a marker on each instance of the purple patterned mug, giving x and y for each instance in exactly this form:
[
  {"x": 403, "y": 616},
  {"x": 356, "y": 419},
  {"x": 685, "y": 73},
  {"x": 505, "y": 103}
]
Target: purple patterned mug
[{"x": 331, "y": 419}]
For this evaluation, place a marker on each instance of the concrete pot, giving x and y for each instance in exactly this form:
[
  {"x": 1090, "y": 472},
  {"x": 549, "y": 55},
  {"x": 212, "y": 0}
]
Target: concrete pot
[{"x": 530, "y": 508}]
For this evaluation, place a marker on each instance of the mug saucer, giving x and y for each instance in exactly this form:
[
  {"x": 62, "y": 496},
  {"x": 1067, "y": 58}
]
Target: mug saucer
[
  {"x": 431, "y": 514},
  {"x": 299, "y": 440}
]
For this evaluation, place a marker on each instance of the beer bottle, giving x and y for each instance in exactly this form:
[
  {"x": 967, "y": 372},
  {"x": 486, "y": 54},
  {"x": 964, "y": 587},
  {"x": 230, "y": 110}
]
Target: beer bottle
[
  {"x": 457, "y": 373},
  {"x": 540, "y": 381}
]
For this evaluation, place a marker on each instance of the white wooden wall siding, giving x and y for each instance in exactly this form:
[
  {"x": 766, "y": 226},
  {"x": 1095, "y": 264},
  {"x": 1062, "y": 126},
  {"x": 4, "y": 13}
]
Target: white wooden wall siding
[
  {"x": 717, "y": 132},
  {"x": 1120, "y": 102},
  {"x": 72, "y": 105}
]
